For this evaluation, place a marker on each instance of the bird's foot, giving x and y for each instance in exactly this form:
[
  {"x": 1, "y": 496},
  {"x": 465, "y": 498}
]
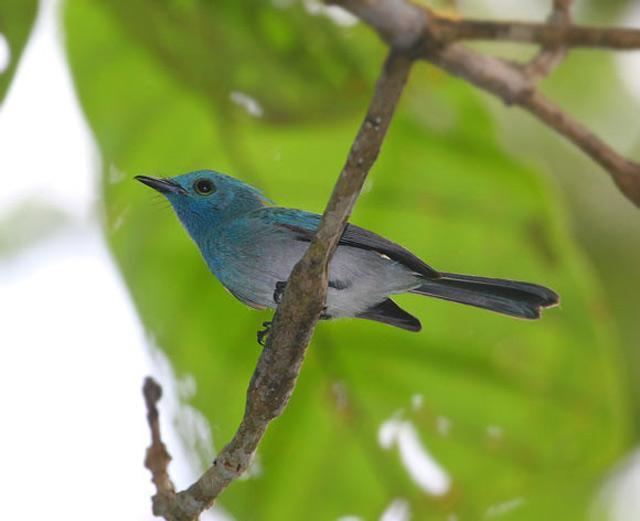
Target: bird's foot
[
  {"x": 262, "y": 333},
  {"x": 277, "y": 294}
]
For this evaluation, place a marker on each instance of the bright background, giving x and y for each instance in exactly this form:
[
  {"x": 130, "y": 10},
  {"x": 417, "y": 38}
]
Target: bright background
[{"x": 476, "y": 417}]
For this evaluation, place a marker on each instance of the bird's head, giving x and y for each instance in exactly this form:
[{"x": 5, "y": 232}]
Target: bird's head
[{"x": 204, "y": 198}]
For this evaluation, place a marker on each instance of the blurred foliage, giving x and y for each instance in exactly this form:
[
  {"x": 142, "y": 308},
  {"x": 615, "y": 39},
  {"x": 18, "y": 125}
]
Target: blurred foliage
[
  {"x": 29, "y": 222},
  {"x": 16, "y": 20},
  {"x": 588, "y": 85},
  {"x": 185, "y": 35},
  {"x": 534, "y": 412}
]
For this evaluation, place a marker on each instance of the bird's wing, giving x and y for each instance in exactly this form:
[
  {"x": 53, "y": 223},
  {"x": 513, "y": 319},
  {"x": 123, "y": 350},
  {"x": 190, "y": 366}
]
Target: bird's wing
[
  {"x": 388, "y": 312},
  {"x": 304, "y": 225}
]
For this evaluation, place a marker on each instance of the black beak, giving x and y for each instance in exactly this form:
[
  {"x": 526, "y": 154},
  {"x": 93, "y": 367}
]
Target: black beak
[{"x": 164, "y": 186}]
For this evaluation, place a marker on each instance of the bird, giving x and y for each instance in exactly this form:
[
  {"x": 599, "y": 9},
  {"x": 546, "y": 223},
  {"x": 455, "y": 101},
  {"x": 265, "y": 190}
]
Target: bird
[{"x": 251, "y": 246}]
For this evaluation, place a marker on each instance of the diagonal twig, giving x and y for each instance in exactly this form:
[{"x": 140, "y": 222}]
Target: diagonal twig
[{"x": 280, "y": 362}]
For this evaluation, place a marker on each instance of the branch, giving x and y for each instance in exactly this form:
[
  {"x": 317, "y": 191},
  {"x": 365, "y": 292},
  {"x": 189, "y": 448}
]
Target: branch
[
  {"x": 548, "y": 35},
  {"x": 407, "y": 26},
  {"x": 280, "y": 362},
  {"x": 157, "y": 458},
  {"x": 624, "y": 172},
  {"x": 550, "y": 57}
]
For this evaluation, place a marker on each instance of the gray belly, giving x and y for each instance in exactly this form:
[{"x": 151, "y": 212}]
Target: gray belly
[
  {"x": 358, "y": 279},
  {"x": 361, "y": 278}
]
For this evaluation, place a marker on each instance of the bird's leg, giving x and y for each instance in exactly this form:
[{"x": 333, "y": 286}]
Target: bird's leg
[
  {"x": 262, "y": 333},
  {"x": 277, "y": 294},
  {"x": 277, "y": 297}
]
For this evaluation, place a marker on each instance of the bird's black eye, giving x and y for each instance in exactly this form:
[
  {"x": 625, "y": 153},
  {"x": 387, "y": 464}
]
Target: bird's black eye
[{"x": 204, "y": 187}]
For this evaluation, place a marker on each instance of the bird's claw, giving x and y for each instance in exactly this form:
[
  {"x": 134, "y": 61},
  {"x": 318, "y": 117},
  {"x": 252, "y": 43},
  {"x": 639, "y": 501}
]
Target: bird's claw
[
  {"x": 277, "y": 294},
  {"x": 262, "y": 333}
]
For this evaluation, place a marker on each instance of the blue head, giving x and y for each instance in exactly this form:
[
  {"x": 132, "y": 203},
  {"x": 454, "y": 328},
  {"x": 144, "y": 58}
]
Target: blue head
[{"x": 204, "y": 198}]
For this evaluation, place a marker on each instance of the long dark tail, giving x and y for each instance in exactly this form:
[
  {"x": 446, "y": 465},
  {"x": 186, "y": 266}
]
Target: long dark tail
[{"x": 510, "y": 297}]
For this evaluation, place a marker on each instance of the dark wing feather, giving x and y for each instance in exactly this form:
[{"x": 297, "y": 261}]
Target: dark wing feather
[
  {"x": 357, "y": 237},
  {"x": 360, "y": 238},
  {"x": 388, "y": 312}
]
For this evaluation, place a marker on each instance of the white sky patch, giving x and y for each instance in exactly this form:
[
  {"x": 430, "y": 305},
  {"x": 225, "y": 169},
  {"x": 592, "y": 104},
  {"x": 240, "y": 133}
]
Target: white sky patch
[
  {"x": 75, "y": 373},
  {"x": 5, "y": 53},
  {"x": 416, "y": 401},
  {"x": 425, "y": 471},
  {"x": 619, "y": 497},
  {"x": 503, "y": 508},
  {"x": 47, "y": 149},
  {"x": 73, "y": 350},
  {"x": 336, "y": 14},
  {"x": 248, "y": 103},
  {"x": 398, "y": 510},
  {"x": 349, "y": 518},
  {"x": 67, "y": 309},
  {"x": 628, "y": 62}
]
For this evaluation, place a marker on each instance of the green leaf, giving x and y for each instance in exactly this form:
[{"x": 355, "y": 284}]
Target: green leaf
[
  {"x": 520, "y": 415},
  {"x": 16, "y": 20},
  {"x": 204, "y": 46}
]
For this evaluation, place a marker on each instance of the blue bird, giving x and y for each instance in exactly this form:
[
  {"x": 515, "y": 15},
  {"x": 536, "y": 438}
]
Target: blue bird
[{"x": 251, "y": 246}]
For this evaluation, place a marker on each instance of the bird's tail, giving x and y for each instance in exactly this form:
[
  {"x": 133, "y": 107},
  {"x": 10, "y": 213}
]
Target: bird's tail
[{"x": 517, "y": 299}]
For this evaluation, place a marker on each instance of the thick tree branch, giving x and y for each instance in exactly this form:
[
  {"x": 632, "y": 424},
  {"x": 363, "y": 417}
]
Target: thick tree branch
[
  {"x": 405, "y": 25},
  {"x": 281, "y": 359}
]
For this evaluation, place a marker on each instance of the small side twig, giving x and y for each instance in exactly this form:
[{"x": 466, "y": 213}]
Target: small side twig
[
  {"x": 549, "y": 58},
  {"x": 281, "y": 359},
  {"x": 157, "y": 458}
]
